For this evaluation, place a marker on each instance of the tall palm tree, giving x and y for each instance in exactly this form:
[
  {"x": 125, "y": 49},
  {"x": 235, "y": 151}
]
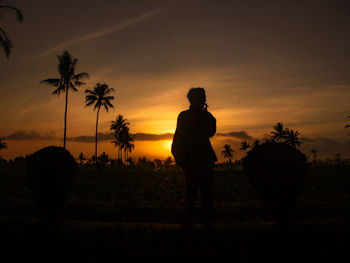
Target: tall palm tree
[
  {"x": 127, "y": 143},
  {"x": 245, "y": 146},
  {"x": 280, "y": 133},
  {"x": 119, "y": 128},
  {"x": 228, "y": 153},
  {"x": 292, "y": 138},
  {"x": 99, "y": 96},
  {"x": 5, "y": 42},
  {"x": 68, "y": 80},
  {"x": 3, "y": 144}
]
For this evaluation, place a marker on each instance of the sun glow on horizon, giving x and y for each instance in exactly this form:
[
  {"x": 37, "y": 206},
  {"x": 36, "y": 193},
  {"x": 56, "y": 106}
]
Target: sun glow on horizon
[{"x": 167, "y": 145}]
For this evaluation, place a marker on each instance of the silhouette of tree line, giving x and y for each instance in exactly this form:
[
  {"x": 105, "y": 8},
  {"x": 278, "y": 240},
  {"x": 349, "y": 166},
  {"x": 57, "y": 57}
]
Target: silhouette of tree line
[{"x": 280, "y": 134}]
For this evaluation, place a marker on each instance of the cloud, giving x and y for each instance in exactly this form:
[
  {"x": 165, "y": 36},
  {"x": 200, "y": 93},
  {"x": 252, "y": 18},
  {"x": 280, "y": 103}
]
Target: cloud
[
  {"x": 109, "y": 137},
  {"x": 153, "y": 137},
  {"x": 242, "y": 135},
  {"x": 87, "y": 138},
  {"x": 23, "y": 135},
  {"x": 99, "y": 33}
]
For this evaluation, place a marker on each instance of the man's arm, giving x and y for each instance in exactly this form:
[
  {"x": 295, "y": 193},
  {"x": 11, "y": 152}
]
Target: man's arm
[
  {"x": 212, "y": 125},
  {"x": 177, "y": 145}
]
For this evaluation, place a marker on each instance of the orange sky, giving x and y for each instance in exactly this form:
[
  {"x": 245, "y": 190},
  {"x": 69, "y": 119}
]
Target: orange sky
[{"x": 261, "y": 62}]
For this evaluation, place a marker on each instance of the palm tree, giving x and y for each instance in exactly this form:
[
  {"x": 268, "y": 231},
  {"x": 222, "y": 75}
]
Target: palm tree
[
  {"x": 292, "y": 138},
  {"x": 68, "y": 81},
  {"x": 228, "y": 153},
  {"x": 256, "y": 143},
  {"x": 3, "y": 144},
  {"x": 158, "y": 163},
  {"x": 126, "y": 142},
  {"x": 168, "y": 161},
  {"x": 314, "y": 153},
  {"x": 119, "y": 127},
  {"x": 129, "y": 146},
  {"x": 99, "y": 97},
  {"x": 104, "y": 159},
  {"x": 5, "y": 42},
  {"x": 280, "y": 132},
  {"x": 244, "y": 146},
  {"x": 81, "y": 158}
]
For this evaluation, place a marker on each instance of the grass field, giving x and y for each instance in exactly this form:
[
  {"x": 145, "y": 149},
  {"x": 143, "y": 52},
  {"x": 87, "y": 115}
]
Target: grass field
[{"x": 138, "y": 211}]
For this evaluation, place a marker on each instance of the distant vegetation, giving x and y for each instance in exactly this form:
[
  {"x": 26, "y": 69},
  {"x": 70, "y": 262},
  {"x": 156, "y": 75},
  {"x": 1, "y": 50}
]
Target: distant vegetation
[
  {"x": 3, "y": 144},
  {"x": 228, "y": 153},
  {"x": 279, "y": 134},
  {"x": 123, "y": 140}
]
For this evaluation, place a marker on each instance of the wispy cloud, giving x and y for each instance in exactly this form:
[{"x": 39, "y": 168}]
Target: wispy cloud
[
  {"x": 242, "y": 135},
  {"x": 107, "y": 136},
  {"x": 100, "y": 33}
]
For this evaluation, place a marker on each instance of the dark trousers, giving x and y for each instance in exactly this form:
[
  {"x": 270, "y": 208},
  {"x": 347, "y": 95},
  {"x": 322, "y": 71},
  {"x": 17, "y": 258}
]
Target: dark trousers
[{"x": 199, "y": 179}]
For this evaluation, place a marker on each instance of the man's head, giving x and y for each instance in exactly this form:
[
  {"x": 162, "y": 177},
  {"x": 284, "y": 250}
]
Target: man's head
[{"x": 196, "y": 97}]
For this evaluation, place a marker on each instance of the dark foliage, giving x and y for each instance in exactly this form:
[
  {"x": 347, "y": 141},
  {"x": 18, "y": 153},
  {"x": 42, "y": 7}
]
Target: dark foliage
[
  {"x": 277, "y": 172},
  {"x": 51, "y": 172}
]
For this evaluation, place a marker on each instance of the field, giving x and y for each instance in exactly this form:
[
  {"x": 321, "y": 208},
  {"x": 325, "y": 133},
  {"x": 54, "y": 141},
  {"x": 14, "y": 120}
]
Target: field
[{"x": 138, "y": 210}]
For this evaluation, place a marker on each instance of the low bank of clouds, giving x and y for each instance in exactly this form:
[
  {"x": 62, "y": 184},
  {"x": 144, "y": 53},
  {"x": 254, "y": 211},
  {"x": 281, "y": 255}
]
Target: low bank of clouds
[
  {"x": 325, "y": 146},
  {"x": 23, "y": 135},
  {"x": 242, "y": 135},
  {"x": 107, "y": 136}
]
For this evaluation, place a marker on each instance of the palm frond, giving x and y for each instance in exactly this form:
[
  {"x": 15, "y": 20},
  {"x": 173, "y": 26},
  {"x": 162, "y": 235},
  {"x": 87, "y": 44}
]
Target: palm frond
[
  {"x": 109, "y": 90},
  {"x": 19, "y": 14},
  {"x": 5, "y": 42},
  {"x": 59, "y": 90},
  {"x": 81, "y": 75},
  {"x": 87, "y": 91},
  {"x": 109, "y": 98},
  {"x": 51, "y": 82},
  {"x": 97, "y": 105},
  {"x": 79, "y": 83},
  {"x": 72, "y": 87},
  {"x": 90, "y": 97},
  {"x": 106, "y": 107},
  {"x": 109, "y": 104},
  {"x": 89, "y": 103}
]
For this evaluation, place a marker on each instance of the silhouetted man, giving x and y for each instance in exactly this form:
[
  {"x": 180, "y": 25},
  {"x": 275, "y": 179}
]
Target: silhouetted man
[{"x": 192, "y": 151}]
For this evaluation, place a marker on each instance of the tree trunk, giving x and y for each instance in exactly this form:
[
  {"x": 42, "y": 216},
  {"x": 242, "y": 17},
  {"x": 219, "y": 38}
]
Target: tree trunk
[
  {"x": 65, "y": 120},
  {"x": 96, "y": 135}
]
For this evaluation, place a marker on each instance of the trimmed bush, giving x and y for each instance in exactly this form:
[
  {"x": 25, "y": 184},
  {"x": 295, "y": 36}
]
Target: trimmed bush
[
  {"x": 277, "y": 172},
  {"x": 51, "y": 173}
]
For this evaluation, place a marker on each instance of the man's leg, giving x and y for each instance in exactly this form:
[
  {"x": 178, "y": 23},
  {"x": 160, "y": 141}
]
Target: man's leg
[
  {"x": 191, "y": 189},
  {"x": 206, "y": 189}
]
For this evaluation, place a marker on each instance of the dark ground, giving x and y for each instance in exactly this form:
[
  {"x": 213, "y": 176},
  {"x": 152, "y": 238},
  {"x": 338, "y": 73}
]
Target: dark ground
[
  {"x": 318, "y": 233},
  {"x": 137, "y": 213}
]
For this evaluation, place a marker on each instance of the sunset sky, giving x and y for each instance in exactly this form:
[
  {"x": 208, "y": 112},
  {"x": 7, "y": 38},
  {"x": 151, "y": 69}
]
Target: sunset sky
[{"x": 260, "y": 62}]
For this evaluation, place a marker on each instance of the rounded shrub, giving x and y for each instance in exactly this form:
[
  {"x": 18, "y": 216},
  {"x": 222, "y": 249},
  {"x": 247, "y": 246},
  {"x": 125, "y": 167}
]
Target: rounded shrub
[
  {"x": 277, "y": 172},
  {"x": 51, "y": 173}
]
